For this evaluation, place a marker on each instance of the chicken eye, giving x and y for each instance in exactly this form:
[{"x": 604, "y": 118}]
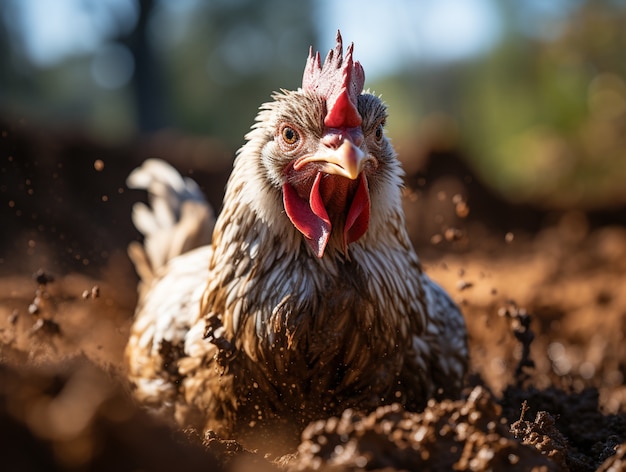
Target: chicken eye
[
  {"x": 290, "y": 136},
  {"x": 379, "y": 132}
]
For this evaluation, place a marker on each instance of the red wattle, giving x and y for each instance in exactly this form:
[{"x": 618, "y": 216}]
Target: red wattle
[
  {"x": 309, "y": 217},
  {"x": 358, "y": 217}
]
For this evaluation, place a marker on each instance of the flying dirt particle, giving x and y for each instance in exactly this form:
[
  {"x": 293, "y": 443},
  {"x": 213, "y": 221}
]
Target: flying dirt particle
[
  {"x": 436, "y": 239},
  {"x": 453, "y": 234},
  {"x": 604, "y": 298},
  {"x": 463, "y": 285},
  {"x": 46, "y": 327},
  {"x": 98, "y": 165},
  {"x": 462, "y": 210},
  {"x": 93, "y": 293},
  {"x": 13, "y": 317},
  {"x": 509, "y": 237},
  {"x": 520, "y": 321},
  {"x": 42, "y": 278},
  {"x": 460, "y": 206}
]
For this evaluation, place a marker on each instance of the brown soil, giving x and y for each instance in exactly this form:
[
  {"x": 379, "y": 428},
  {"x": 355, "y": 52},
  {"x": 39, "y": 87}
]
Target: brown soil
[{"x": 546, "y": 313}]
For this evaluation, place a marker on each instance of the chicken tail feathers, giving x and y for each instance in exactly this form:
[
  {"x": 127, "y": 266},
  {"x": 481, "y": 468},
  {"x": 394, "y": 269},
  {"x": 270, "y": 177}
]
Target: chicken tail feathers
[{"x": 177, "y": 219}]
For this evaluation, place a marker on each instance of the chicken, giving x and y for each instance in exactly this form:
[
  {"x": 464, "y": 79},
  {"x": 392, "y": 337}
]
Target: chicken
[{"x": 308, "y": 298}]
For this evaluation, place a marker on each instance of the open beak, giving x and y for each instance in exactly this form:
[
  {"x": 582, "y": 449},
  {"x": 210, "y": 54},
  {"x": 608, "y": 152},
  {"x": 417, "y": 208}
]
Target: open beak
[{"x": 347, "y": 160}]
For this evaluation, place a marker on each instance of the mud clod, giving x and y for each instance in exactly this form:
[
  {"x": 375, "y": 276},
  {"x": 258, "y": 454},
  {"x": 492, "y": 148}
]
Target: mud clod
[
  {"x": 450, "y": 435},
  {"x": 543, "y": 435}
]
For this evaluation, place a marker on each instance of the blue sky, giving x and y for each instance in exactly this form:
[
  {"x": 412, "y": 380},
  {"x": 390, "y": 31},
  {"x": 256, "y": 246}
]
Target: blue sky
[
  {"x": 389, "y": 34},
  {"x": 55, "y": 29},
  {"x": 386, "y": 34}
]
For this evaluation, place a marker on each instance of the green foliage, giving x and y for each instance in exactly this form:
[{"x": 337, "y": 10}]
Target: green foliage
[
  {"x": 545, "y": 118},
  {"x": 232, "y": 57}
]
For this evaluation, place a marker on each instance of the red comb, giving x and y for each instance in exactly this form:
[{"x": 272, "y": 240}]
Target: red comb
[{"x": 339, "y": 81}]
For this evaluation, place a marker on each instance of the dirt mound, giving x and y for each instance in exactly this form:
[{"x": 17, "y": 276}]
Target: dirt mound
[
  {"x": 461, "y": 435},
  {"x": 546, "y": 388},
  {"x": 545, "y": 309}
]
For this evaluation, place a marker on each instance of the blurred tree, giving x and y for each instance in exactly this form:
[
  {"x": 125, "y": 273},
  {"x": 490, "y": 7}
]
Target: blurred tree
[
  {"x": 545, "y": 115},
  {"x": 195, "y": 65},
  {"x": 147, "y": 80},
  {"x": 232, "y": 56}
]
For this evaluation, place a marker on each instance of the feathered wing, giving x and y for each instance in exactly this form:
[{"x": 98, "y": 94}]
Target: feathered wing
[
  {"x": 178, "y": 219},
  {"x": 173, "y": 266},
  {"x": 441, "y": 351}
]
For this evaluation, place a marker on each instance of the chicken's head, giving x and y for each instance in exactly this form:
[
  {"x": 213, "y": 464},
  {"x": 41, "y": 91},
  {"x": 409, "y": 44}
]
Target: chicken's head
[{"x": 328, "y": 152}]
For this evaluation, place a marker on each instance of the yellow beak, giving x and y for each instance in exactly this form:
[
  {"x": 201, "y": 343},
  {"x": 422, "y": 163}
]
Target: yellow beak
[{"x": 347, "y": 160}]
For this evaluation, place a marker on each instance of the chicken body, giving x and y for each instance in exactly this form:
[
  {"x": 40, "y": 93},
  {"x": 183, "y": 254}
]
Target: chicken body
[{"x": 309, "y": 298}]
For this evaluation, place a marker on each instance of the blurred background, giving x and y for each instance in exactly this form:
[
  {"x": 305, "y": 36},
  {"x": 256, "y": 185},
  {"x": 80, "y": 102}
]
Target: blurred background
[{"x": 516, "y": 108}]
